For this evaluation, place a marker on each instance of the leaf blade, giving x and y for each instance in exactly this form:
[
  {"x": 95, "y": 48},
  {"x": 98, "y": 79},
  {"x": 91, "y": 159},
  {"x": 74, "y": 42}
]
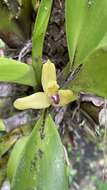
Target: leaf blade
[
  {"x": 43, "y": 160},
  {"x": 17, "y": 72},
  {"x": 92, "y": 27},
  {"x": 93, "y": 75},
  {"x": 39, "y": 35}
]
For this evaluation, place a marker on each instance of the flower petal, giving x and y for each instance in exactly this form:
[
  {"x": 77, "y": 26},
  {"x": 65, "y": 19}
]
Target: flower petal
[
  {"x": 48, "y": 75},
  {"x": 66, "y": 96},
  {"x": 35, "y": 101}
]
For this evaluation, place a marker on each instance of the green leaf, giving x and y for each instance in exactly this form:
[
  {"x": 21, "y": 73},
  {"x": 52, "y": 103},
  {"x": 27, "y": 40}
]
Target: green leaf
[
  {"x": 39, "y": 32},
  {"x": 25, "y": 17},
  {"x": 86, "y": 26},
  {"x": 15, "y": 156},
  {"x": 10, "y": 32},
  {"x": 15, "y": 22},
  {"x": 93, "y": 75},
  {"x": 42, "y": 164},
  {"x": 16, "y": 72},
  {"x": 101, "y": 185},
  {"x": 7, "y": 23}
]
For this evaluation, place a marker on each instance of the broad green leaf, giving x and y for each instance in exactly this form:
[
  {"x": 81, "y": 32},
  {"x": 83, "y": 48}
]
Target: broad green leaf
[
  {"x": 25, "y": 16},
  {"x": 10, "y": 32},
  {"x": 93, "y": 75},
  {"x": 101, "y": 185},
  {"x": 12, "y": 6},
  {"x": 15, "y": 21},
  {"x": 7, "y": 23},
  {"x": 86, "y": 26},
  {"x": 41, "y": 165},
  {"x": 39, "y": 32},
  {"x": 15, "y": 156},
  {"x": 16, "y": 72}
]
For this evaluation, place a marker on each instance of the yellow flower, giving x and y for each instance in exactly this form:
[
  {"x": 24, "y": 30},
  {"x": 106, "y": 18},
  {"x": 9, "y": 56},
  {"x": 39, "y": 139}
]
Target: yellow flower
[{"x": 51, "y": 95}]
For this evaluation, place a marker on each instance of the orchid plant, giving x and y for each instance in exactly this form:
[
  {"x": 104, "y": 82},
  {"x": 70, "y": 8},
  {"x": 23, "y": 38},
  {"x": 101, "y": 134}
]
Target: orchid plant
[{"x": 39, "y": 154}]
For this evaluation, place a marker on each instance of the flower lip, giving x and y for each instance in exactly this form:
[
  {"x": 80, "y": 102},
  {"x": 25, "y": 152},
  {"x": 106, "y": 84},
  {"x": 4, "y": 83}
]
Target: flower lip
[{"x": 55, "y": 98}]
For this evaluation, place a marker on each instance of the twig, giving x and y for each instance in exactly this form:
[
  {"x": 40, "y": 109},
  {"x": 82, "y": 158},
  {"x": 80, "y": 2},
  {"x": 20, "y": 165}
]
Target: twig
[{"x": 26, "y": 49}]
